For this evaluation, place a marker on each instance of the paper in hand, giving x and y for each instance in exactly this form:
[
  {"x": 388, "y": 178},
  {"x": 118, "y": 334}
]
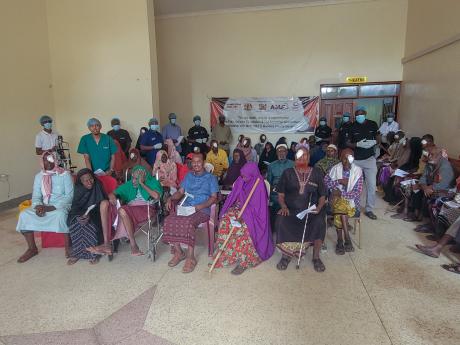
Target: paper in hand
[
  {"x": 185, "y": 210},
  {"x": 400, "y": 173},
  {"x": 301, "y": 215},
  {"x": 89, "y": 209},
  {"x": 235, "y": 223},
  {"x": 179, "y": 140}
]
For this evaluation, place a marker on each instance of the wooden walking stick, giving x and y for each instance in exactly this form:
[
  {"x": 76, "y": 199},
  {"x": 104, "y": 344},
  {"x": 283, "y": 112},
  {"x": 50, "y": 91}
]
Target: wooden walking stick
[{"x": 233, "y": 228}]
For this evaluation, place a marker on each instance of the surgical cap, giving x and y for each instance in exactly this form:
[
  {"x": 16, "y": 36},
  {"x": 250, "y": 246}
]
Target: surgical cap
[
  {"x": 115, "y": 121},
  {"x": 346, "y": 114},
  {"x": 391, "y": 115},
  {"x": 93, "y": 121},
  {"x": 196, "y": 117},
  {"x": 44, "y": 119},
  {"x": 153, "y": 121},
  {"x": 361, "y": 108},
  {"x": 172, "y": 116},
  {"x": 323, "y": 118}
]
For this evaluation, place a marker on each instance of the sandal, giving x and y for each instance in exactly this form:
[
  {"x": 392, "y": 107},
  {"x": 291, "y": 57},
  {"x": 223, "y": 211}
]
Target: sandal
[
  {"x": 424, "y": 250},
  {"x": 283, "y": 263},
  {"x": 349, "y": 247},
  {"x": 454, "y": 268},
  {"x": 95, "y": 260},
  {"x": 318, "y": 265},
  {"x": 339, "y": 248},
  {"x": 189, "y": 266},
  {"x": 238, "y": 270},
  {"x": 72, "y": 261},
  {"x": 176, "y": 259}
]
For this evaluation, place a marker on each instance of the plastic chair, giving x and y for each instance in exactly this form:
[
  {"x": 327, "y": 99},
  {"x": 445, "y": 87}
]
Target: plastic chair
[{"x": 210, "y": 226}]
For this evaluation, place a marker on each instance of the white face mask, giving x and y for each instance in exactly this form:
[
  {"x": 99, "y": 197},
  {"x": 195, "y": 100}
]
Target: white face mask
[
  {"x": 390, "y": 120},
  {"x": 351, "y": 159}
]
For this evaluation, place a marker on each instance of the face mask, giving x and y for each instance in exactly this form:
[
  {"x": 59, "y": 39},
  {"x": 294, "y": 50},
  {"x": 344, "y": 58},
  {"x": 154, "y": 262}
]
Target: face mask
[
  {"x": 48, "y": 125},
  {"x": 197, "y": 122},
  {"x": 351, "y": 159},
  {"x": 390, "y": 120},
  {"x": 345, "y": 119},
  {"x": 173, "y": 121},
  {"x": 154, "y": 127},
  {"x": 116, "y": 127},
  {"x": 360, "y": 118},
  {"x": 322, "y": 123}
]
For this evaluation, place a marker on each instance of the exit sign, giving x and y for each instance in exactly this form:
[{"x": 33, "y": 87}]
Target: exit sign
[{"x": 356, "y": 79}]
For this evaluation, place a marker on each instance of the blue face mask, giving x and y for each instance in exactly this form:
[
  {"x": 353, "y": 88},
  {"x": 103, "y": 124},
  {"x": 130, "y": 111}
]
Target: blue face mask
[
  {"x": 173, "y": 121},
  {"x": 197, "y": 122},
  {"x": 322, "y": 123},
  {"x": 48, "y": 125},
  {"x": 345, "y": 119},
  {"x": 154, "y": 127},
  {"x": 390, "y": 120},
  {"x": 116, "y": 127},
  {"x": 360, "y": 118}
]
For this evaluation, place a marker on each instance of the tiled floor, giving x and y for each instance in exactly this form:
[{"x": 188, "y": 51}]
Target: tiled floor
[{"x": 384, "y": 293}]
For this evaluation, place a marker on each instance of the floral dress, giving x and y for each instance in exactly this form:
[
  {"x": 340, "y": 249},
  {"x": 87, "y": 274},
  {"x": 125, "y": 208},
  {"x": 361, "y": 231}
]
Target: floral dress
[{"x": 240, "y": 248}]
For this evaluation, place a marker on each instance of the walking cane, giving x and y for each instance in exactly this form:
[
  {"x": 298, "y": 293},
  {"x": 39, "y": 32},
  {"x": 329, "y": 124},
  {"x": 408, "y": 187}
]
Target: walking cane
[
  {"x": 233, "y": 227},
  {"x": 303, "y": 235}
]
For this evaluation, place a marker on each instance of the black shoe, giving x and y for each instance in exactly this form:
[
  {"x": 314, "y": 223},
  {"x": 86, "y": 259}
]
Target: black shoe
[
  {"x": 238, "y": 270},
  {"x": 371, "y": 215}
]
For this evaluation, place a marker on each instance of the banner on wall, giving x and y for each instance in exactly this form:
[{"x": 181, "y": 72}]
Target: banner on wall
[{"x": 267, "y": 114}]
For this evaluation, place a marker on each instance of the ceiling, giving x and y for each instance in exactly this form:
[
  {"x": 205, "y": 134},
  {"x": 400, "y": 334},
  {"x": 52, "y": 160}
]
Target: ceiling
[{"x": 182, "y": 7}]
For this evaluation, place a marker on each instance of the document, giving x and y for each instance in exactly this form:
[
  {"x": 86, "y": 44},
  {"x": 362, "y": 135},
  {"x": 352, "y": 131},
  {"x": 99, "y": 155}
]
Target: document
[
  {"x": 311, "y": 209},
  {"x": 235, "y": 223},
  {"x": 89, "y": 209},
  {"x": 185, "y": 210},
  {"x": 400, "y": 173}
]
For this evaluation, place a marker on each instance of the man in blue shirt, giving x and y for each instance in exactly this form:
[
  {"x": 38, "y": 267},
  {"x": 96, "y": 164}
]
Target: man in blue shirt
[
  {"x": 200, "y": 190},
  {"x": 172, "y": 131},
  {"x": 152, "y": 141},
  {"x": 98, "y": 149}
]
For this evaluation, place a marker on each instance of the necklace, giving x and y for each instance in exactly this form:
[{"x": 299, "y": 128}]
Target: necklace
[{"x": 303, "y": 179}]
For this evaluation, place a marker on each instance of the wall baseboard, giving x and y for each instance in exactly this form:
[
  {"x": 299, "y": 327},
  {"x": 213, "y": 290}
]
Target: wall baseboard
[{"x": 12, "y": 203}]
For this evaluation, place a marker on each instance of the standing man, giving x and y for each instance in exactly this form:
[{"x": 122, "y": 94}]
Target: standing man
[
  {"x": 172, "y": 131},
  {"x": 152, "y": 141},
  {"x": 390, "y": 125},
  {"x": 344, "y": 131},
  {"x": 218, "y": 158},
  {"x": 120, "y": 135},
  {"x": 98, "y": 149},
  {"x": 222, "y": 134},
  {"x": 198, "y": 136},
  {"x": 46, "y": 139},
  {"x": 323, "y": 132},
  {"x": 363, "y": 139}
]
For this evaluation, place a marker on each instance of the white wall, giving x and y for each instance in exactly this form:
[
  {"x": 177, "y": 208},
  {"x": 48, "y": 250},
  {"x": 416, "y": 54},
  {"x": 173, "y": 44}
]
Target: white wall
[
  {"x": 430, "y": 100},
  {"x": 275, "y": 53},
  {"x": 100, "y": 62},
  {"x": 24, "y": 90}
]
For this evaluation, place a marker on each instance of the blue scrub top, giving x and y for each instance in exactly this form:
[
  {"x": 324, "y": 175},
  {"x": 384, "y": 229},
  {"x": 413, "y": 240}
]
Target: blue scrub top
[{"x": 151, "y": 138}]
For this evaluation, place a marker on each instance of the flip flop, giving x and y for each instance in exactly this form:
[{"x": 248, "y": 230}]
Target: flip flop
[
  {"x": 139, "y": 253},
  {"x": 72, "y": 261},
  {"x": 421, "y": 249},
  {"x": 189, "y": 266},
  {"x": 454, "y": 268}
]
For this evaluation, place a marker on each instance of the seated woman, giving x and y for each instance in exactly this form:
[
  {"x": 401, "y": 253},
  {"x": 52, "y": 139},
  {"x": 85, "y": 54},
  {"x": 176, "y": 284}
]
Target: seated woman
[
  {"x": 267, "y": 156},
  {"x": 200, "y": 189},
  {"x": 329, "y": 161},
  {"x": 234, "y": 170},
  {"x": 346, "y": 182},
  {"x": 134, "y": 194},
  {"x": 251, "y": 243},
  {"x": 134, "y": 158},
  {"x": 165, "y": 169},
  {"x": 172, "y": 152},
  {"x": 249, "y": 152},
  {"x": 298, "y": 188},
  {"x": 51, "y": 199},
  {"x": 85, "y": 228}
]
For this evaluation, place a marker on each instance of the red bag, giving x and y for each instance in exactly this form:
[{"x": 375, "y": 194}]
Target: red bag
[{"x": 52, "y": 240}]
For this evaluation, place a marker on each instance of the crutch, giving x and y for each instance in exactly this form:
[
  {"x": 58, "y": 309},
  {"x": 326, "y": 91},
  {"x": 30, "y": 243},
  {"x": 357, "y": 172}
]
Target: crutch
[
  {"x": 233, "y": 227},
  {"x": 303, "y": 235}
]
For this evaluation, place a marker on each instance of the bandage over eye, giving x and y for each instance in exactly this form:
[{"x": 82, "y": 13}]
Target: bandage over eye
[
  {"x": 214, "y": 145},
  {"x": 245, "y": 142},
  {"x": 351, "y": 159},
  {"x": 196, "y": 149},
  {"x": 396, "y": 136},
  {"x": 299, "y": 154},
  {"x": 132, "y": 155},
  {"x": 424, "y": 142},
  {"x": 50, "y": 159}
]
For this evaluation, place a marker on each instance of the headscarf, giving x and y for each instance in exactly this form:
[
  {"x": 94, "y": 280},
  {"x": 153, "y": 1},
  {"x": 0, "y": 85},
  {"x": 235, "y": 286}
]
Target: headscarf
[
  {"x": 172, "y": 152},
  {"x": 233, "y": 171},
  {"x": 256, "y": 215},
  {"x": 415, "y": 145},
  {"x": 167, "y": 171},
  {"x": 128, "y": 192},
  {"x": 46, "y": 186},
  {"x": 290, "y": 153},
  {"x": 326, "y": 163},
  {"x": 83, "y": 197},
  {"x": 267, "y": 156}
]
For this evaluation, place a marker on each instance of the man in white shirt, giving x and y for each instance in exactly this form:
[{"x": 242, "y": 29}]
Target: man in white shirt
[
  {"x": 389, "y": 126},
  {"x": 46, "y": 139}
]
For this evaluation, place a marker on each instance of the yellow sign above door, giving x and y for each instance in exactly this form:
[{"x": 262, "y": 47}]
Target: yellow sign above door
[{"x": 356, "y": 79}]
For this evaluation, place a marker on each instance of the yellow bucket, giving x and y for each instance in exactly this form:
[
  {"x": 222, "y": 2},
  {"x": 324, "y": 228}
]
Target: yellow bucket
[{"x": 24, "y": 205}]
